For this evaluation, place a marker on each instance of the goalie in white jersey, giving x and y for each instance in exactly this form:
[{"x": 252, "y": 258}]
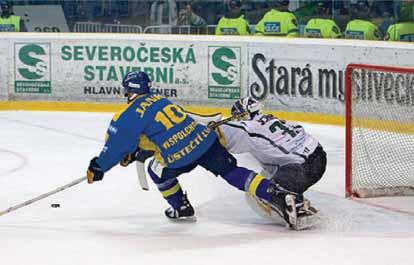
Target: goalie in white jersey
[{"x": 288, "y": 154}]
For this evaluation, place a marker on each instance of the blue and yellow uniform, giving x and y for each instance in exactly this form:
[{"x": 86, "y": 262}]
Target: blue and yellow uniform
[{"x": 154, "y": 123}]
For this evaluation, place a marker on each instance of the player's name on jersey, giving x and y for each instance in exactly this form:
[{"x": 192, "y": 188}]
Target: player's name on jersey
[
  {"x": 188, "y": 148},
  {"x": 179, "y": 135},
  {"x": 146, "y": 103}
]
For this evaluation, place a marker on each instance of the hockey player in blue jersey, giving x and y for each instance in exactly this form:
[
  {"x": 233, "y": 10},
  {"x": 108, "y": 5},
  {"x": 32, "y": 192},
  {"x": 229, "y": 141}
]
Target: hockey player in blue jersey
[{"x": 152, "y": 122}]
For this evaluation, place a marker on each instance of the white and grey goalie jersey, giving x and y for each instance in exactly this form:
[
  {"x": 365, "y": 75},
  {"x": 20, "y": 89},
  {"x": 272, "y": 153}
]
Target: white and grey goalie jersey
[{"x": 271, "y": 141}]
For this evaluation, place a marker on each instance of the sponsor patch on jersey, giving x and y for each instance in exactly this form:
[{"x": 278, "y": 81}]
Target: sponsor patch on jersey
[
  {"x": 314, "y": 33},
  {"x": 407, "y": 37},
  {"x": 229, "y": 31},
  {"x": 7, "y": 28},
  {"x": 272, "y": 27},
  {"x": 357, "y": 35}
]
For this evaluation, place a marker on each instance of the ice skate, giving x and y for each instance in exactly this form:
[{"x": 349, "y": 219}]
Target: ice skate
[
  {"x": 307, "y": 215},
  {"x": 284, "y": 203},
  {"x": 185, "y": 213}
]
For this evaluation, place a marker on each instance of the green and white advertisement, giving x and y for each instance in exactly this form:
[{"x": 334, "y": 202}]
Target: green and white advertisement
[
  {"x": 32, "y": 68},
  {"x": 91, "y": 69},
  {"x": 224, "y": 68}
]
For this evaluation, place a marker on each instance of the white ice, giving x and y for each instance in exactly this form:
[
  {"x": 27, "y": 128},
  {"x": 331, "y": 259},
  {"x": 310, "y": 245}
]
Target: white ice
[{"x": 114, "y": 222}]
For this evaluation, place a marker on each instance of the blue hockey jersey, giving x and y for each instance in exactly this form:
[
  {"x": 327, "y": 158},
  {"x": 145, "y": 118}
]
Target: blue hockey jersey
[{"x": 152, "y": 122}]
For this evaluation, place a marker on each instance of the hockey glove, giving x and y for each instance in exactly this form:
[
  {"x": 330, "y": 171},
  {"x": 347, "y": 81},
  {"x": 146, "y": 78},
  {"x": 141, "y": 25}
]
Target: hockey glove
[
  {"x": 139, "y": 155},
  {"x": 95, "y": 172}
]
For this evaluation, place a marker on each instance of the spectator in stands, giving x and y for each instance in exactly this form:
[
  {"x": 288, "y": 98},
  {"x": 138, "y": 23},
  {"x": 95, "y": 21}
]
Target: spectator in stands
[
  {"x": 233, "y": 22},
  {"x": 384, "y": 10},
  {"x": 188, "y": 16},
  {"x": 403, "y": 30},
  {"x": 278, "y": 21},
  {"x": 323, "y": 26},
  {"x": 358, "y": 28},
  {"x": 8, "y": 21}
]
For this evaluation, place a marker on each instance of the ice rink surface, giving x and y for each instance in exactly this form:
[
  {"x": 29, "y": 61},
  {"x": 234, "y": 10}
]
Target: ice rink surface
[{"x": 114, "y": 222}]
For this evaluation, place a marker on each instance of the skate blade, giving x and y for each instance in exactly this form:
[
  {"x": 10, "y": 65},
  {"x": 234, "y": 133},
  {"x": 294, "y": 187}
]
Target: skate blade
[
  {"x": 186, "y": 219},
  {"x": 307, "y": 222}
]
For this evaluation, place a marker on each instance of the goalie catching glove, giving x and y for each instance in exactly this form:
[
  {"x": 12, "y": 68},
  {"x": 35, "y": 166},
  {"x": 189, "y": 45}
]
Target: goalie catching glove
[
  {"x": 139, "y": 155},
  {"x": 95, "y": 172}
]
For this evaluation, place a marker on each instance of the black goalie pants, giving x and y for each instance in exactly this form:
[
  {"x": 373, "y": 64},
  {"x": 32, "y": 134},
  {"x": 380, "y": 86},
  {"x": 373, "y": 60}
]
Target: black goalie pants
[{"x": 299, "y": 177}]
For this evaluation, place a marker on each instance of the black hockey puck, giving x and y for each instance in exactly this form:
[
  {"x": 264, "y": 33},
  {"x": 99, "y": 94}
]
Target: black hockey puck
[{"x": 55, "y": 205}]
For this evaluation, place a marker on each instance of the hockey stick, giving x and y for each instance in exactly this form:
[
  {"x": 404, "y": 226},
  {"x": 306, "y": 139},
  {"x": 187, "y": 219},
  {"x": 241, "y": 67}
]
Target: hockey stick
[
  {"x": 13, "y": 208},
  {"x": 142, "y": 176}
]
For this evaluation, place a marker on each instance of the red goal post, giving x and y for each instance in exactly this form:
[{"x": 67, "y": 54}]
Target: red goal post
[{"x": 379, "y": 140}]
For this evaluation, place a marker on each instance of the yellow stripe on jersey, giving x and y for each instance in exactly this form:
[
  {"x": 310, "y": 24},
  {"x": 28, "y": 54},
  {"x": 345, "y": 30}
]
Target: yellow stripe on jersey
[
  {"x": 255, "y": 183},
  {"x": 146, "y": 144},
  {"x": 171, "y": 191}
]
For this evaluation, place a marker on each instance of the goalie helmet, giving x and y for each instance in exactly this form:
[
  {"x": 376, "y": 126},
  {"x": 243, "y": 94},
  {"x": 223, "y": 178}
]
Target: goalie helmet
[
  {"x": 249, "y": 105},
  {"x": 136, "y": 83}
]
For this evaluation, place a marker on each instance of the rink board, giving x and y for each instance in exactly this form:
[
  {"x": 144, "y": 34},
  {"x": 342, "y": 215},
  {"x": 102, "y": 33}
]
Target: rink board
[{"x": 288, "y": 75}]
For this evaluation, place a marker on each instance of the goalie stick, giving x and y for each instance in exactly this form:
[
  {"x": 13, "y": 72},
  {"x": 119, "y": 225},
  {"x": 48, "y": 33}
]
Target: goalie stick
[{"x": 140, "y": 166}]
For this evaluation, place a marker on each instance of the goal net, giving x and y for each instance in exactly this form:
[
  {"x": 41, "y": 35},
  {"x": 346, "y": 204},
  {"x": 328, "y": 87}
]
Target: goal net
[{"x": 379, "y": 131}]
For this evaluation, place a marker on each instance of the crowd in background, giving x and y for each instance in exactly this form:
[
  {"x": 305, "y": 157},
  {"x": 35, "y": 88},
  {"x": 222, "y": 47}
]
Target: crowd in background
[{"x": 353, "y": 19}]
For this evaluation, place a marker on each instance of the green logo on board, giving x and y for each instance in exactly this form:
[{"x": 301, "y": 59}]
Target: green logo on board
[
  {"x": 32, "y": 68},
  {"x": 224, "y": 72}
]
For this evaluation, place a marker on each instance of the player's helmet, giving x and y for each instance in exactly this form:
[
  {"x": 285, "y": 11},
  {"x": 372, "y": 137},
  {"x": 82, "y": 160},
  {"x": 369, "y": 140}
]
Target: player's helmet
[
  {"x": 136, "y": 83},
  {"x": 249, "y": 105}
]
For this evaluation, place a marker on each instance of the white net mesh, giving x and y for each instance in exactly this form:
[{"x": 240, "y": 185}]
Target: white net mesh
[{"x": 382, "y": 131}]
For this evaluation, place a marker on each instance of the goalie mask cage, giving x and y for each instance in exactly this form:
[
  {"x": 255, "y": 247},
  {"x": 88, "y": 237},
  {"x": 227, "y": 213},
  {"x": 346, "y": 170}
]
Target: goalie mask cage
[{"x": 379, "y": 131}]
